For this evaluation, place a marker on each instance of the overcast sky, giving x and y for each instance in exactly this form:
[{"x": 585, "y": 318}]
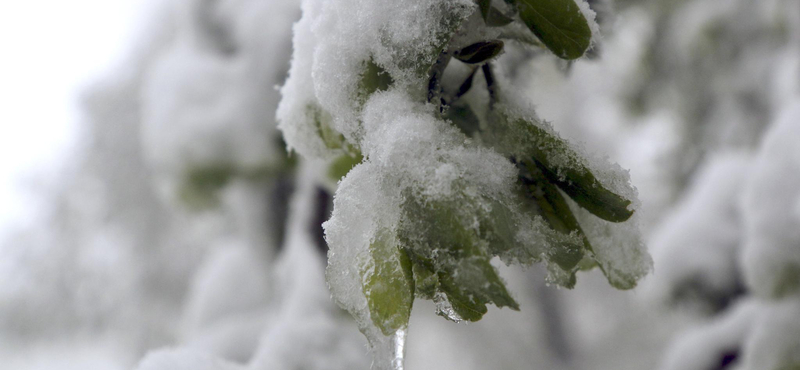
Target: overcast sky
[{"x": 50, "y": 48}]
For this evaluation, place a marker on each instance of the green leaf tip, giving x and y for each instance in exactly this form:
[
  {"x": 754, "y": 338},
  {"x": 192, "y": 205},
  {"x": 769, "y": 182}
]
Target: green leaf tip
[
  {"x": 559, "y": 24},
  {"x": 586, "y": 191},
  {"x": 388, "y": 284},
  {"x": 556, "y": 212},
  {"x": 576, "y": 180}
]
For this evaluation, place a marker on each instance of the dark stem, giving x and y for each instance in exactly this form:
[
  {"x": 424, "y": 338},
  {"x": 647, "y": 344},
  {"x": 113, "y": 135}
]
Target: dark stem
[
  {"x": 489, "y": 76},
  {"x": 434, "y": 82}
]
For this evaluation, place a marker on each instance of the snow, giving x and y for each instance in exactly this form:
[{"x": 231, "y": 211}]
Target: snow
[
  {"x": 332, "y": 43},
  {"x": 707, "y": 346},
  {"x": 770, "y": 257},
  {"x": 206, "y": 109},
  {"x": 706, "y": 225},
  {"x": 775, "y": 338},
  {"x": 183, "y": 359},
  {"x": 211, "y": 297}
]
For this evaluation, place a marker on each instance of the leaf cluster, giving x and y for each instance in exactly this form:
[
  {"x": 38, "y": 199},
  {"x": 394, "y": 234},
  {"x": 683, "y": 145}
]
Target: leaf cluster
[{"x": 442, "y": 250}]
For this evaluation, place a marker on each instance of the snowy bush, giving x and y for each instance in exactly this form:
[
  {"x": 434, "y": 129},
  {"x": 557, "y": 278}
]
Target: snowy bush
[{"x": 442, "y": 144}]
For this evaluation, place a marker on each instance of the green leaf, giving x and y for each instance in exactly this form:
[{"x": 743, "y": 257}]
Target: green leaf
[
  {"x": 587, "y": 264},
  {"x": 479, "y": 52},
  {"x": 555, "y": 211},
  {"x": 471, "y": 285},
  {"x": 492, "y": 16},
  {"x": 461, "y": 114},
  {"x": 788, "y": 281},
  {"x": 584, "y": 189},
  {"x": 200, "y": 185},
  {"x": 342, "y": 165},
  {"x": 322, "y": 120},
  {"x": 575, "y": 179},
  {"x": 437, "y": 238},
  {"x": 552, "y": 204},
  {"x": 373, "y": 78},
  {"x": 426, "y": 282},
  {"x": 496, "y": 18},
  {"x": 559, "y": 24},
  {"x": 388, "y": 284},
  {"x": 484, "y": 6},
  {"x": 561, "y": 165}
]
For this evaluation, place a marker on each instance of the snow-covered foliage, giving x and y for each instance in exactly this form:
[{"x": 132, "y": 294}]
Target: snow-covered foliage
[
  {"x": 445, "y": 184},
  {"x": 458, "y": 139}
]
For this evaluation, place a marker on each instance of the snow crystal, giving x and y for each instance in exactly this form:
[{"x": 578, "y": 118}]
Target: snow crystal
[
  {"x": 333, "y": 42},
  {"x": 590, "y": 16}
]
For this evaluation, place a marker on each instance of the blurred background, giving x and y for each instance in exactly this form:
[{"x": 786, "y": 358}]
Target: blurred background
[{"x": 150, "y": 217}]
